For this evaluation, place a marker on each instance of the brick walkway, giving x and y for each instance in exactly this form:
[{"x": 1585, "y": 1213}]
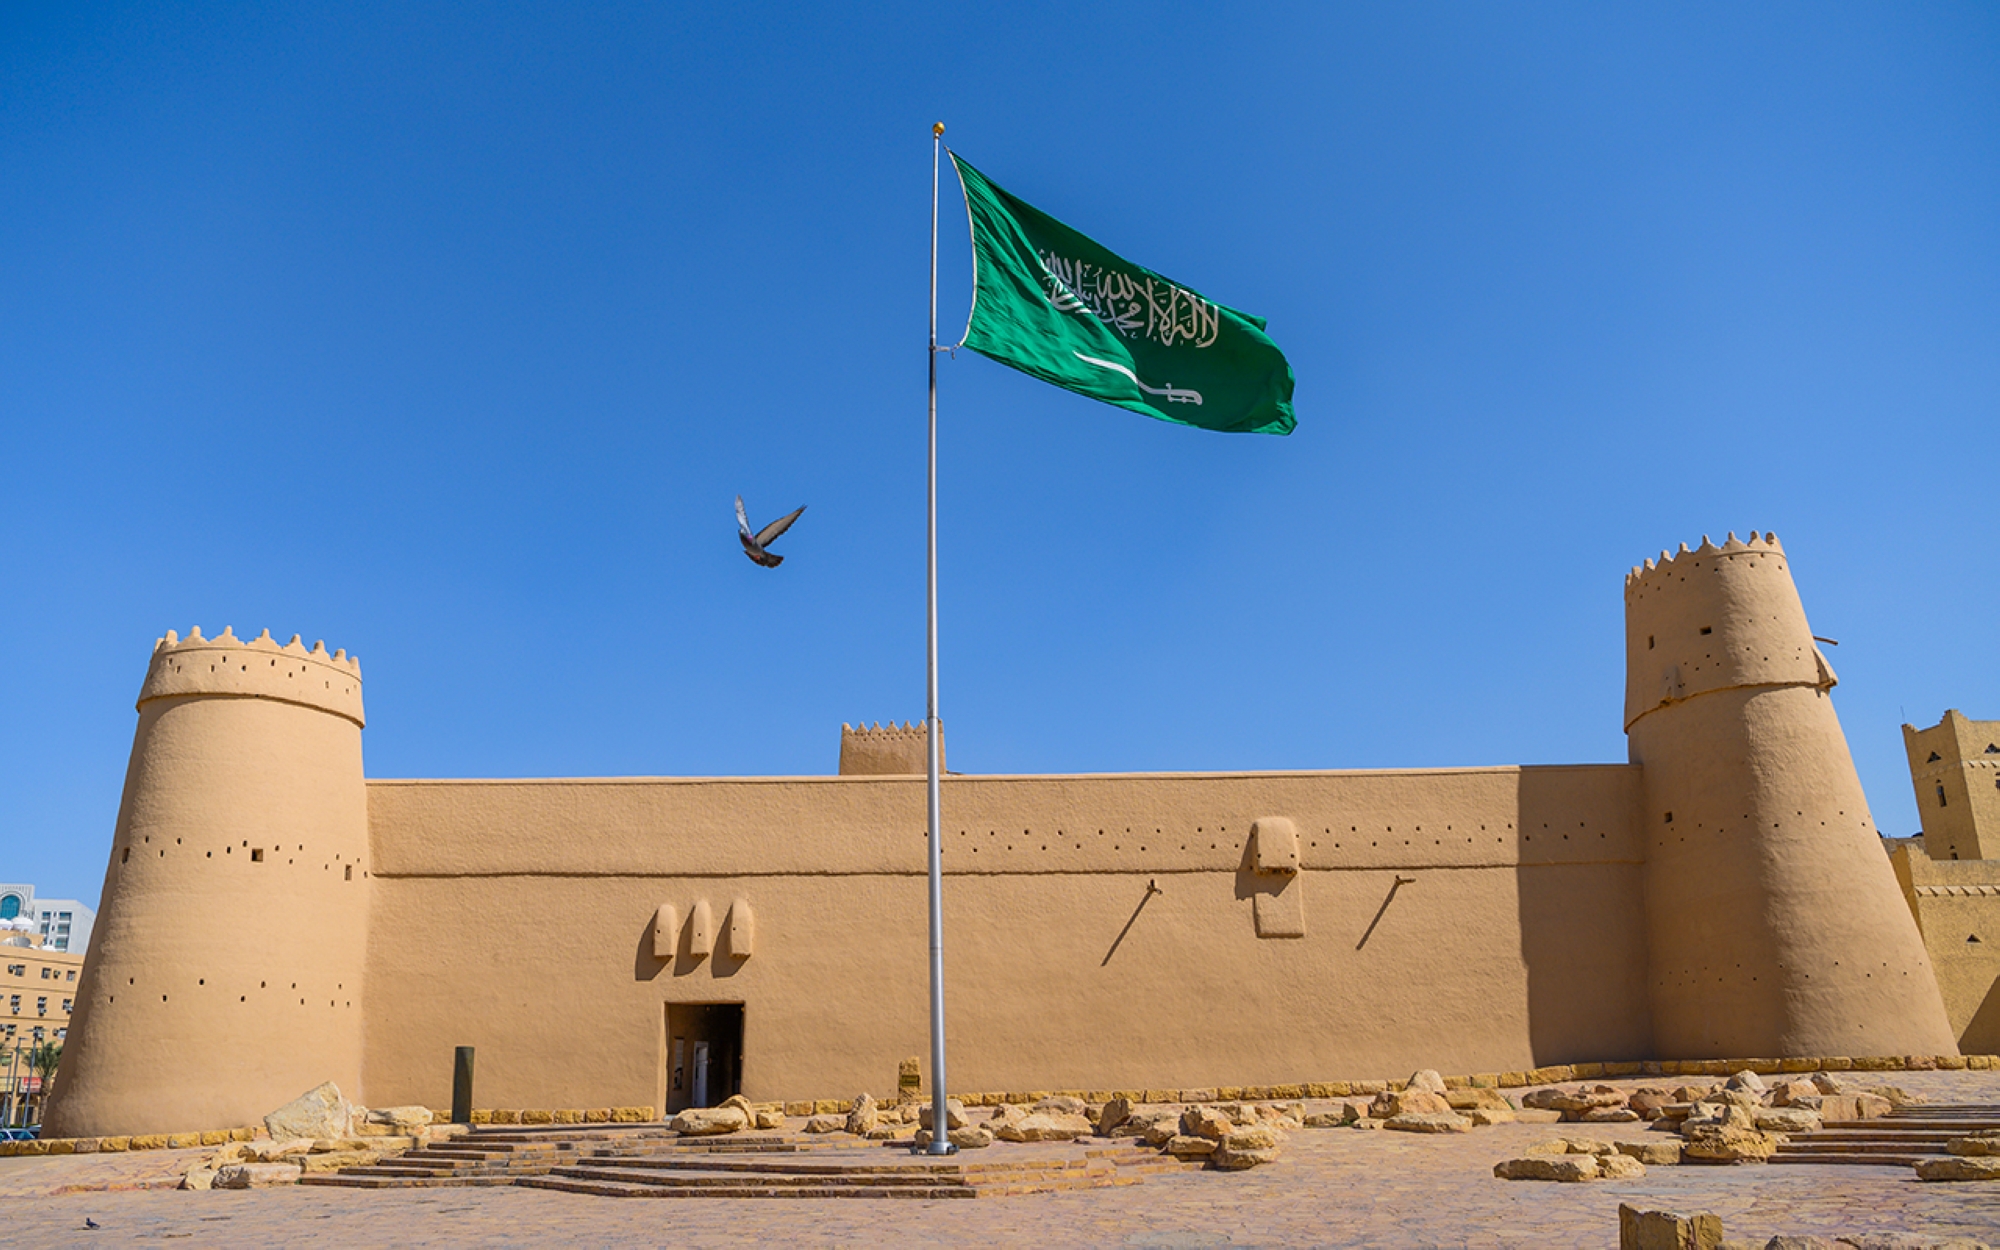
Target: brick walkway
[{"x": 1331, "y": 1187}]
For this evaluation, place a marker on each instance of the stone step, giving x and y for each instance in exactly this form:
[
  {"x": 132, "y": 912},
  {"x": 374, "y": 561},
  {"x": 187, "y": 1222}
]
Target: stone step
[
  {"x": 624, "y": 1189},
  {"x": 362, "y": 1180},
  {"x": 1813, "y": 1146},
  {"x": 1856, "y": 1160},
  {"x": 971, "y": 1171},
  {"x": 761, "y": 1180}
]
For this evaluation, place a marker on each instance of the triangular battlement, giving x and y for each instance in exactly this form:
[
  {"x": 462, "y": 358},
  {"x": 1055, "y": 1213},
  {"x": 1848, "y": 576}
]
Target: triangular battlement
[{"x": 1732, "y": 545}]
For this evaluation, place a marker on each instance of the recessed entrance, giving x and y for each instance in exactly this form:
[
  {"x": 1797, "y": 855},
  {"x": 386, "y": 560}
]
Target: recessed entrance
[{"x": 703, "y": 1058}]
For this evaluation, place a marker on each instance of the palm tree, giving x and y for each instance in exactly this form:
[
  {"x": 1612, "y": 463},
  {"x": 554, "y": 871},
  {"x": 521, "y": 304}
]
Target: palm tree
[{"x": 42, "y": 1060}]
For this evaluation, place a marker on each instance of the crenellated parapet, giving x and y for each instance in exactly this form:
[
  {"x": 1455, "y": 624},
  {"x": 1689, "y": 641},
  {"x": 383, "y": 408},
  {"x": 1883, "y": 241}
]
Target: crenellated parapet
[
  {"x": 259, "y": 669},
  {"x": 877, "y": 751},
  {"x": 1716, "y": 618}
]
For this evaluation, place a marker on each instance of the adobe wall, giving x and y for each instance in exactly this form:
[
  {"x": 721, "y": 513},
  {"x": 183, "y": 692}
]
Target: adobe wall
[
  {"x": 516, "y": 916},
  {"x": 1957, "y": 906}
]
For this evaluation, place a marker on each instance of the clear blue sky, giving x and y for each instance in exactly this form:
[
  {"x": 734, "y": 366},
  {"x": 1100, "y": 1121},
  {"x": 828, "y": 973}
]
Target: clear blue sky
[{"x": 447, "y": 334}]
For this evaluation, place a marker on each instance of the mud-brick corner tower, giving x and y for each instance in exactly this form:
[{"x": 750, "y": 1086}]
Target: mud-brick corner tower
[
  {"x": 1774, "y": 922},
  {"x": 225, "y": 975}
]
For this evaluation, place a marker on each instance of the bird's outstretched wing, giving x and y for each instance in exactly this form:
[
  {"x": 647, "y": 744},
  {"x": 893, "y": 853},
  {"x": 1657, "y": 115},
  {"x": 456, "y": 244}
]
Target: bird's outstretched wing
[
  {"x": 742, "y": 522},
  {"x": 769, "y": 534}
]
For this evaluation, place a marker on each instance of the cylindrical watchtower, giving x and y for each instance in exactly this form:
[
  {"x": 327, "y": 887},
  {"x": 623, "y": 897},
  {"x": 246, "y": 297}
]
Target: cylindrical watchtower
[
  {"x": 224, "y": 977},
  {"x": 1775, "y": 923}
]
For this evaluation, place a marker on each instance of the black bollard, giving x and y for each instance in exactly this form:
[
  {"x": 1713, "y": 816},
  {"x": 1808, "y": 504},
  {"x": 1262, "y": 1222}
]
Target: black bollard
[{"x": 461, "y": 1086}]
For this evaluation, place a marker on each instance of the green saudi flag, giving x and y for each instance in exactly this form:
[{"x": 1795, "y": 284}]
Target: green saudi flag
[{"x": 1053, "y": 304}]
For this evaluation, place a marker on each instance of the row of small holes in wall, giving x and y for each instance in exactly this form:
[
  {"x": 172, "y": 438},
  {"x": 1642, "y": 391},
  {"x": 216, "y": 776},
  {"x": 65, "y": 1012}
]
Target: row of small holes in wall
[
  {"x": 1774, "y": 824},
  {"x": 202, "y": 982},
  {"x": 1201, "y": 831},
  {"x": 256, "y": 857},
  {"x": 302, "y": 669},
  {"x": 1692, "y": 979},
  {"x": 1529, "y": 837}
]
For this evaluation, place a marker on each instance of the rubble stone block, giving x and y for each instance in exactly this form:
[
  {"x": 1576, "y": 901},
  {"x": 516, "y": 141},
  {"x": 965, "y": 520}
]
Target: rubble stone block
[
  {"x": 1959, "y": 1168},
  {"x": 1543, "y": 1167},
  {"x": 1667, "y": 1230},
  {"x": 256, "y": 1175}
]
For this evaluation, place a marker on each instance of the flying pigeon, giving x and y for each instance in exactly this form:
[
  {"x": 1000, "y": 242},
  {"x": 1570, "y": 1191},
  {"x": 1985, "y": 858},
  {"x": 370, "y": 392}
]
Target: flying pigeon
[{"x": 754, "y": 544}]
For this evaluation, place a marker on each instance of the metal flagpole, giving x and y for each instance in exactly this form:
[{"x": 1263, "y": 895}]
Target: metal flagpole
[{"x": 940, "y": 1143}]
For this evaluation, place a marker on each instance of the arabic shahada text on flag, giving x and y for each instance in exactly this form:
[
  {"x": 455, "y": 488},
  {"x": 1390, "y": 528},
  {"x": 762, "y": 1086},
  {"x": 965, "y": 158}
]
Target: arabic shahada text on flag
[{"x": 1057, "y": 306}]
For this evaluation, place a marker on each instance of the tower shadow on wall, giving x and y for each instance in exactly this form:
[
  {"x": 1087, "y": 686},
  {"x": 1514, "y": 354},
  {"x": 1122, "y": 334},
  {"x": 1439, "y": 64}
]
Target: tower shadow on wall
[{"x": 1582, "y": 916}]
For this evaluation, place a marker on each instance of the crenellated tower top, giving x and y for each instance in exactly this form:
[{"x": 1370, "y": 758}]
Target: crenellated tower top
[
  {"x": 1715, "y": 618},
  {"x": 258, "y": 669},
  {"x": 1665, "y": 566}
]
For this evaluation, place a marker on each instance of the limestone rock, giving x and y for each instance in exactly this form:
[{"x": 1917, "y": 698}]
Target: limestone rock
[
  {"x": 198, "y": 1177},
  {"x": 1484, "y": 1116},
  {"x": 1747, "y": 1080},
  {"x": 1206, "y": 1122},
  {"x": 1959, "y": 1168},
  {"x": 954, "y": 1115},
  {"x": 1368, "y": 1122},
  {"x": 396, "y": 1121},
  {"x": 1577, "y": 1102},
  {"x": 709, "y": 1121},
  {"x": 1062, "y": 1104},
  {"x": 863, "y": 1116},
  {"x": 1649, "y": 1103},
  {"x": 1975, "y": 1145},
  {"x": 1160, "y": 1132},
  {"x": 1408, "y": 1102},
  {"x": 1787, "y": 1120},
  {"x": 1619, "y": 1167},
  {"x": 1727, "y": 1143},
  {"x": 1608, "y": 1115},
  {"x": 770, "y": 1119},
  {"x": 826, "y": 1124},
  {"x": 886, "y": 1130},
  {"x": 1339, "y": 1116},
  {"x": 334, "y": 1160},
  {"x": 1547, "y": 1167},
  {"x": 1849, "y": 1107},
  {"x": 1428, "y": 1122},
  {"x": 1574, "y": 1146},
  {"x": 969, "y": 1136},
  {"x": 1708, "y": 1115},
  {"x": 272, "y": 1151},
  {"x": 1792, "y": 1093},
  {"x": 1113, "y": 1116},
  {"x": 1897, "y": 1095},
  {"x": 1427, "y": 1079},
  {"x": 1538, "y": 1115},
  {"x": 1477, "y": 1098},
  {"x": 1665, "y": 1152},
  {"x": 1667, "y": 1230},
  {"x": 319, "y": 1112},
  {"x": 1043, "y": 1126},
  {"x": 257, "y": 1175},
  {"x": 1826, "y": 1084},
  {"x": 1246, "y": 1148},
  {"x": 1185, "y": 1147},
  {"x": 1139, "y": 1123}
]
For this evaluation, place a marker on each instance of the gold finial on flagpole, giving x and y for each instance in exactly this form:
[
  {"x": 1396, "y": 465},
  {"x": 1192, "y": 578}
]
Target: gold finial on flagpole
[{"x": 937, "y": 130}]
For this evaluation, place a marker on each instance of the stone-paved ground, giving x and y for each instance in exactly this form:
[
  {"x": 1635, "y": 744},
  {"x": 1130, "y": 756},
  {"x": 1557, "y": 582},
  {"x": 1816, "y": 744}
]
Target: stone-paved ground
[{"x": 1331, "y": 1187}]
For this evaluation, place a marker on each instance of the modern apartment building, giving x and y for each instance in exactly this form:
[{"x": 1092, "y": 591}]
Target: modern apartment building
[{"x": 64, "y": 923}]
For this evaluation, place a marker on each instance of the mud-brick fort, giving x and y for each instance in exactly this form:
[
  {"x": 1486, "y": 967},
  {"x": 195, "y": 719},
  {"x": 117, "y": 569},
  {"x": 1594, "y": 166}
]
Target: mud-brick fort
[{"x": 273, "y": 919}]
